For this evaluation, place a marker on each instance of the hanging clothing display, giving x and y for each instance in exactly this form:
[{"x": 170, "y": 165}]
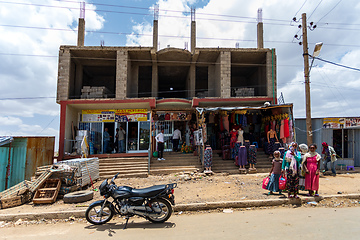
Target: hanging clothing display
[
  {"x": 226, "y": 123},
  {"x": 208, "y": 157},
  {"x": 241, "y": 136},
  {"x": 242, "y": 156},
  {"x": 252, "y": 154}
]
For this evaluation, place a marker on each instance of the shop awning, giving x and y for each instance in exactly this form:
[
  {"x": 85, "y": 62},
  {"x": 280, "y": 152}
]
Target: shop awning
[{"x": 199, "y": 109}]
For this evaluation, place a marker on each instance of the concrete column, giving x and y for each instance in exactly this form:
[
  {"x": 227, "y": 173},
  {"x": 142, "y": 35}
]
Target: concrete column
[
  {"x": 192, "y": 78},
  {"x": 155, "y": 35},
  {"x": 211, "y": 81},
  {"x": 260, "y": 35},
  {"x": 78, "y": 80},
  {"x": 271, "y": 74},
  {"x": 155, "y": 80},
  {"x": 81, "y": 32},
  {"x": 63, "y": 75},
  {"x": 121, "y": 74},
  {"x": 225, "y": 74},
  {"x": 193, "y": 36}
]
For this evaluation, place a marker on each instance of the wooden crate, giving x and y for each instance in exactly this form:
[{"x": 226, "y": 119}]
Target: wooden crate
[
  {"x": 48, "y": 192},
  {"x": 10, "y": 202}
]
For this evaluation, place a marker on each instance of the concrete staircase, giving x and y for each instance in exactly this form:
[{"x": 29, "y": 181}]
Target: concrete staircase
[
  {"x": 221, "y": 166},
  {"x": 127, "y": 167},
  {"x": 175, "y": 162}
]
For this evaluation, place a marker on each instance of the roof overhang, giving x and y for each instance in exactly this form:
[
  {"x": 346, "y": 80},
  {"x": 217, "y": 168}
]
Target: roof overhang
[{"x": 230, "y": 102}]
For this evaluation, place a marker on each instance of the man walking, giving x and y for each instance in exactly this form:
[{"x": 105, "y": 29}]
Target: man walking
[
  {"x": 160, "y": 140},
  {"x": 329, "y": 156},
  {"x": 176, "y": 138}
]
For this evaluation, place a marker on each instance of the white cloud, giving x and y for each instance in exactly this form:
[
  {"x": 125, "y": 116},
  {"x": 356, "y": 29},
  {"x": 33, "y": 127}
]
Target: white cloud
[
  {"x": 25, "y": 74},
  {"x": 333, "y": 89},
  {"x": 10, "y": 121}
]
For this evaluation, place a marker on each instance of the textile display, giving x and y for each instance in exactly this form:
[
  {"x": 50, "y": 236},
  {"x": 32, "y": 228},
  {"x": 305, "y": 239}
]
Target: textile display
[
  {"x": 242, "y": 156},
  {"x": 208, "y": 157},
  {"x": 252, "y": 154}
]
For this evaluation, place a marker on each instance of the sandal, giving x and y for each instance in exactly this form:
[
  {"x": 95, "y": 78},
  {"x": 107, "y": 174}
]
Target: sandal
[
  {"x": 270, "y": 193},
  {"x": 291, "y": 196},
  {"x": 297, "y": 197},
  {"x": 316, "y": 195}
]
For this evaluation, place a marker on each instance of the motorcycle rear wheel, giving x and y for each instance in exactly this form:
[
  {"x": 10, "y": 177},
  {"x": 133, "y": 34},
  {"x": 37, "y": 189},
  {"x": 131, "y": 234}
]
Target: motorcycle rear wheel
[
  {"x": 95, "y": 216},
  {"x": 164, "y": 206}
]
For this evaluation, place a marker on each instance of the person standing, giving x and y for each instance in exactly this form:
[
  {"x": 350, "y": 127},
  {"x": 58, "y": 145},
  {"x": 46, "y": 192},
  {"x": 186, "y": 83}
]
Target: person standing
[
  {"x": 311, "y": 166},
  {"x": 291, "y": 164},
  {"x": 303, "y": 150},
  {"x": 271, "y": 137},
  {"x": 121, "y": 140},
  {"x": 106, "y": 138},
  {"x": 329, "y": 156},
  {"x": 275, "y": 173},
  {"x": 160, "y": 141},
  {"x": 176, "y": 138}
]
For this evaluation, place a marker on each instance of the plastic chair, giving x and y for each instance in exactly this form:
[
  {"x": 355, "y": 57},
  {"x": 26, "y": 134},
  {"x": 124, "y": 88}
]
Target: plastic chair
[{"x": 350, "y": 167}]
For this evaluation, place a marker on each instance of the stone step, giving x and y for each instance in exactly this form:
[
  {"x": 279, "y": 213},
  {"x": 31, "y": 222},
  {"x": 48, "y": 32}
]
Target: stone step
[
  {"x": 122, "y": 171},
  {"x": 172, "y": 170},
  {"x": 122, "y": 160},
  {"x": 123, "y": 168},
  {"x": 126, "y": 175}
]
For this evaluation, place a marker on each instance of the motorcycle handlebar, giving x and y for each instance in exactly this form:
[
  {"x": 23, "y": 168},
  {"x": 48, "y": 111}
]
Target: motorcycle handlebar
[{"x": 113, "y": 179}]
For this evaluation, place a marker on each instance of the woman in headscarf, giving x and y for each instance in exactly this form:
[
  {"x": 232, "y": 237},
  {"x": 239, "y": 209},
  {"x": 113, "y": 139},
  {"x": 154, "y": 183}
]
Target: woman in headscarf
[
  {"x": 303, "y": 150},
  {"x": 312, "y": 170},
  {"x": 291, "y": 164}
]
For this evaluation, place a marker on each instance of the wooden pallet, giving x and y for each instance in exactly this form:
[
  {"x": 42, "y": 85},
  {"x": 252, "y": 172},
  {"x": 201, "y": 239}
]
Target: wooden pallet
[
  {"x": 48, "y": 192},
  {"x": 40, "y": 180},
  {"x": 15, "y": 190}
]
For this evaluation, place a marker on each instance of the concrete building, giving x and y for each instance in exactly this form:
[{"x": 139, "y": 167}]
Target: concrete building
[{"x": 102, "y": 87}]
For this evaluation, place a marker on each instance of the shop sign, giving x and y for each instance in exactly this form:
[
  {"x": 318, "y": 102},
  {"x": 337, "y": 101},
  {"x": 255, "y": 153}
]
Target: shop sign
[
  {"x": 118, "y": 115},
  {"x": 341, "y": 122}
]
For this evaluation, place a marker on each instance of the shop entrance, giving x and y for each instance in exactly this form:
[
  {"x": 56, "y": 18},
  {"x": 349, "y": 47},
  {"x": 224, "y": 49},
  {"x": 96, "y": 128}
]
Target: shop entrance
[
  {"x": 111, "y": 130},
  {"x": 138, "y": 136}
]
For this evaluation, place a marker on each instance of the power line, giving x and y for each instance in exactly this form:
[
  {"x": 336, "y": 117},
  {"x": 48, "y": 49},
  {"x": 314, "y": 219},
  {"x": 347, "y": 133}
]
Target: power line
[
  {"x": 336, "y": 64},
  {"x": 330, "y": 11},
  {"x": 315, "y": 9}
]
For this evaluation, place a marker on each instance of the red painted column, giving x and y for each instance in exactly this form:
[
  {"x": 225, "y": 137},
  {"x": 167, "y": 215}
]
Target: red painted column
[{"x": 62, "y": 130}]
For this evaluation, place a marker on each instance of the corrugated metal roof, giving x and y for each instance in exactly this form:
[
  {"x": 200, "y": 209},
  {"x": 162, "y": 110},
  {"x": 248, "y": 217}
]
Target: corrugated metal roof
[{"x": 5, "y": 140}]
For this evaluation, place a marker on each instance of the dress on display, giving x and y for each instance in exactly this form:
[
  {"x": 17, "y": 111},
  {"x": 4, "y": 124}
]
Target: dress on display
[
  {"x": 208, "y": 157},
  {"x": 240, "y": 136},
  {"x": 233, "y": 139},
  {"x": 252, "y": 154},
  {"x": 242, "y": 156}
]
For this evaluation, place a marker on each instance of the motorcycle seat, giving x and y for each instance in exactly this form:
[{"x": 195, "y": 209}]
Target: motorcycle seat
[{"x": 148, "y": 192}]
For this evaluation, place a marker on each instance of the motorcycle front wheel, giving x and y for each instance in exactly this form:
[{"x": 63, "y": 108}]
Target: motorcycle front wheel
[
  {"x": 163, "y": 210},
  {"x": 96, "y": 216}
]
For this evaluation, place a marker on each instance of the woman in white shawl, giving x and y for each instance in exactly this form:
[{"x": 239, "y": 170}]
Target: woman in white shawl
[
  {"x": 303, "y": 149},
  {"x": 311, "y": 165},
  {"x": 291, "y": 164}
]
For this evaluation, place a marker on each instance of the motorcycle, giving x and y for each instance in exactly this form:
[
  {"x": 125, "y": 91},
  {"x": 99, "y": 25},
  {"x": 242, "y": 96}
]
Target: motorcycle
[{"x": 152, "y": 203}]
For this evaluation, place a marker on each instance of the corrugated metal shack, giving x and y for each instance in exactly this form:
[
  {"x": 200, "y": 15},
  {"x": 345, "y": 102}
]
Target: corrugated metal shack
[
  {"x": 20, "y": 156},
  {"x": 341, "y": 133}
]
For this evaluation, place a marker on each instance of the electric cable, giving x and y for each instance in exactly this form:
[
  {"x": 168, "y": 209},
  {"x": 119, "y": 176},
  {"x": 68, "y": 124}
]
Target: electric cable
[{"x": 329, "y": 12}]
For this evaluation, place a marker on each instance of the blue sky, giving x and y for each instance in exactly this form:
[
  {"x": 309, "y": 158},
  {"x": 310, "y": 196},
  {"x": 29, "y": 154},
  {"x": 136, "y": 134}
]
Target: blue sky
[{"x": 33, "y": 30}]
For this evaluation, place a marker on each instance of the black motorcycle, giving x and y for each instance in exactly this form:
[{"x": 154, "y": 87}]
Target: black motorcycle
[{"x": 152, "y": 203}]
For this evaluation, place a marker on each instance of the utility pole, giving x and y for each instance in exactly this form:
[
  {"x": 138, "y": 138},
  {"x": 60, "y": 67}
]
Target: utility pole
[{"x": 307, "y": 81}]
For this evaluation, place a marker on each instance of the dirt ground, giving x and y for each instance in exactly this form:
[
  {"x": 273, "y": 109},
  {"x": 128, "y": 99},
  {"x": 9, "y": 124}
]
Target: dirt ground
[{"x": 200, "y": 188}]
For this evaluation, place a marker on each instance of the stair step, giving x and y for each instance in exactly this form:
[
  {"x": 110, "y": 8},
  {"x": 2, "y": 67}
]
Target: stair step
[{"x": 126, "y": 175}]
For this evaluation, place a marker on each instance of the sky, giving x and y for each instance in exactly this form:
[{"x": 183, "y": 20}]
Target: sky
[{"x": 33, "y": 30}]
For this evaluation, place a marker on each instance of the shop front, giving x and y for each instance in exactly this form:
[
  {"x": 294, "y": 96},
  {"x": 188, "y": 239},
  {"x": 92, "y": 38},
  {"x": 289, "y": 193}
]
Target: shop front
[{"x": 102, "y": 129}]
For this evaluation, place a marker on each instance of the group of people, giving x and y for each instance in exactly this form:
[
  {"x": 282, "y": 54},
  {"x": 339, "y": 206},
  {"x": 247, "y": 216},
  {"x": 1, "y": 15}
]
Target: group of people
[
  {"x": 119, "y": 143},
  {"x": 301, "y": 166}
]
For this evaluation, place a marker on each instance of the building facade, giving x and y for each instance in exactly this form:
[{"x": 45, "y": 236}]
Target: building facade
[{"x": 143, "y": 89}]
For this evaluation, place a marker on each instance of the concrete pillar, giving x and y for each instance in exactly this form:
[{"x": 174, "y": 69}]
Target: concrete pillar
[
  {"x": 78, "y": 80},
  {"x": 225, "y": 74},
  {"x": 211, "y": 81},
  {"x": 155, "y": 80},
  {"x": 192, "y": 78},
  {"x": 260, "y": 35},
  {"x": 63, "y": 75},
  {"x": 155, "y": 35},
  {"x": 81, "y": 32},
  {"x": 271, "y": 74},
  {"x": 193, "y": 36},
  {"x": 121, "y": 74}
]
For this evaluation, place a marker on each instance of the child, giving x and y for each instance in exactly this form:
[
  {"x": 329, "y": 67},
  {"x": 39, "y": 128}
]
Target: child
[{"x": 275, "y": 173}]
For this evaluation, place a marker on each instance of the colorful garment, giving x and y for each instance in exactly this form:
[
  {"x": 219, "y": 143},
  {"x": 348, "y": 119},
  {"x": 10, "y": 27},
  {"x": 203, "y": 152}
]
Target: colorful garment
[
  {"x": 208, "y": 157},
  {"x": 291, "y": 164},
  {"x": 273, "y": 184},
  {"x": 292, "y": 182},
  {"x": 242, "y": 156},
  {"x": 271, "y": 146},
  {"x": 311, "y": 178},
  {"x": 233, "y": 139},
  {"x": 252, "y": 154}
]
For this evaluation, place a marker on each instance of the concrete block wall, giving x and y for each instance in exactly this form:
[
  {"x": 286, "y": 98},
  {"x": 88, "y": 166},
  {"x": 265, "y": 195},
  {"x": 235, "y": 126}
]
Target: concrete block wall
[
  {"x": 63, "y": 75},
  {"x": 121, "y": 74},
  {"x": 225, "y": 74},
  {"x": 270, "y": 71}
]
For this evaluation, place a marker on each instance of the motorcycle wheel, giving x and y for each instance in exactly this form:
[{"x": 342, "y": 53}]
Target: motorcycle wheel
[
  {"x": 95, "y": 216},
  {"x": 164, "y": 206}
]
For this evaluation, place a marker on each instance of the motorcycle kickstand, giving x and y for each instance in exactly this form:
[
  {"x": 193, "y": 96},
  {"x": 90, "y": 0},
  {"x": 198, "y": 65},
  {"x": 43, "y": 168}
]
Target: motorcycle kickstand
[{"x": 127, "y": 220}]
